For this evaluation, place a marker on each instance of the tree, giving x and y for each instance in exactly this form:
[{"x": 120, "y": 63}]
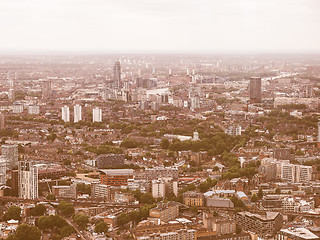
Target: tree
[
  {"x": 278, "y": 191},
  {"x": 27, "y": 232},
  {"x": 254, "y": 198},
  {"x": 123, "y": 219},
  {"x": 13, "y": 213},
  {"x": 101, "y": 227},
  {"x": 51, "y": 197},
  {"x": 81, "y": 220},
  {"x": 65, "y": 208},
  {"x": 66, "y": 231},
  {"x": 260, "y": 194},
  {"x": 38, "y": 210},
  {"x": 165, "y": 143},
  {"x": 43, "y": 223}
]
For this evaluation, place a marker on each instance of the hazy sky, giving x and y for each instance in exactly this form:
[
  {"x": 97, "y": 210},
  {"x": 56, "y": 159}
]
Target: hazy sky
[{"x": 133, "y": 26}]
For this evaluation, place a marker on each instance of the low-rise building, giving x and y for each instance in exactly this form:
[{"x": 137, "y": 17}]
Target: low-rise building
[
  {"x": 65, "y": 191},
  {"x": 267, "y": 225},
  {"x": 191, "y": 198},
  {"x": 165, "y": 211}
]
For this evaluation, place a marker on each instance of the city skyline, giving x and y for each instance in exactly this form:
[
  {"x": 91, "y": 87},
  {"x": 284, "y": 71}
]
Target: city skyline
[{"x": 160, "y": 26}]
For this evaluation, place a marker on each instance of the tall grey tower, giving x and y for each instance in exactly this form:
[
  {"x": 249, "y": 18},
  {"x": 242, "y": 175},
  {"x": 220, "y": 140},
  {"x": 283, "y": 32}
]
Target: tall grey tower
[
  {"x": 255, "y": 90},
  {"x": 117, "y": 74}
]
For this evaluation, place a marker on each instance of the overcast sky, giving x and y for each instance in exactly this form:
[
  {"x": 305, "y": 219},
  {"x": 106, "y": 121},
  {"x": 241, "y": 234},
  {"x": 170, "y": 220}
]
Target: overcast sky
[{"x": 138, "y": 26}]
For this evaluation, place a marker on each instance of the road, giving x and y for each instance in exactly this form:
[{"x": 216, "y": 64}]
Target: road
[{"x": 76, "y": 228}]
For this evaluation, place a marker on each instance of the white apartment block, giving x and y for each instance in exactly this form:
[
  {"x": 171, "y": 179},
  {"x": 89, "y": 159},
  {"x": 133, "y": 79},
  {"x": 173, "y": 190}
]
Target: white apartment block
[
  {"x": 28, "y": 180},
  {"x": 65, "y": 114},
  {"x": 77, "y": 113},
  {"x": 296, "y": 173},
  {"x": 97, "y": 115}
]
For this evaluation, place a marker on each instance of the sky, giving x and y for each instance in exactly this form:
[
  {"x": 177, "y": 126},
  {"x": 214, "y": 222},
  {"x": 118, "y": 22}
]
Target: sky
[{"x": 160, "y": 26}]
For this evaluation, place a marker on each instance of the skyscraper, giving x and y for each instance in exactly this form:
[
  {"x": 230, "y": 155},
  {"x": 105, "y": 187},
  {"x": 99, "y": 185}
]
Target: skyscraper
[
  {"x": 46, "y": 90},
  {"x": 65, "y": 115},
  {"x": 97, "y": 115},
  {"x": 77, "y": 113},
  {"x": 2, "y": 124},
  {"x": 117, "y": 74},
  {"x": 255, "y": 90},
  {"x": 28, "y": 180}
]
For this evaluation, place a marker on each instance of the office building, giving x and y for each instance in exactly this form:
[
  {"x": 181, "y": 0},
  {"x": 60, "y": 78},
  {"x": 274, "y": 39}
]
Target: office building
[
  {"x": 34, "y": 109},
  {"x": 97, "y": 115},
  {"x": 10, "y": 153},
  {"x": 100, "y": 191},
  {"x": 28, "y": 180},
  {"x": 266, "y": 225},
  {"x": 65, "y": 114},
  {"x": 255, "y": 90},
  {"x": 117, "y": 74},
  {"x": 77, "y": 109},
  {"x": 115, "y": 177},
  {"x": 65, "y": 191}
]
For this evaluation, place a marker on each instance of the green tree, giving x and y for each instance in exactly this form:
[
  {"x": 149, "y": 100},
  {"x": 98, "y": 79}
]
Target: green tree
[
  {"x": 43, "y": 223},
  {"x": 51, "y": 197},
  {"x": 12, "y": 213},
  {"x": 123, "y": 219},
  {"x": 278, "y": 191},
  {"x": 165, "y": 143},
  {"x": 81, "y": 220},
  {"x": 260, "y": 194},
  {"x": 254, "y": 198},
  {"x": 38, "y": 210},
  {"x": 101, "y": 227},
  {"x": 27, "y": 232},
  {"x": 65, "y": 208},
  {"x": 66, "y": 231}
]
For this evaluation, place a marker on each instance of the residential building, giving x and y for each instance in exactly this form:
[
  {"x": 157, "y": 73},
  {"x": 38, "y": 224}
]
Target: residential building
[
  {"x": 97, "y": 115},
  {"x": 109, "y": 160},
  {"x": 188, "y": 234},
  {"x": 255, "y": 90},
  {"x": 65, "y": 114},
  {"x": 165, "y": 211},
  {"x": 191, "y": 198},
  {"x": 34, "y": 109},
  {"x": 77, "y": 109},
  {"x": 296, "y": 233},
  {"x": 117, "y": 75},
  {"x": 10, "y": 153},
  {"x": 28, "y": 180}
]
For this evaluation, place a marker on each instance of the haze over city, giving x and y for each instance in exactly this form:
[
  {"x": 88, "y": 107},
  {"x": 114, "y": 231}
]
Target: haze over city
[
  {"x": 166, "y": 26},
  {"x": 159, "y": 120}
]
